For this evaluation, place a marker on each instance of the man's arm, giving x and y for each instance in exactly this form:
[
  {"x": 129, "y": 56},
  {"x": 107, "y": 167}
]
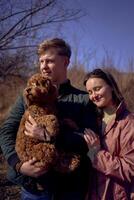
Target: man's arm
[
  {"x": 8, "y": 132},
  {"x": 89, "y": 118}
]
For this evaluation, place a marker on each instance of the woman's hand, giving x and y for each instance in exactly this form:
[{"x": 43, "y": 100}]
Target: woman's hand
[
  {"x": 34, "y": 130},
  {"x": 93, "y": 143},
  {"x": 91, "y": 138}
]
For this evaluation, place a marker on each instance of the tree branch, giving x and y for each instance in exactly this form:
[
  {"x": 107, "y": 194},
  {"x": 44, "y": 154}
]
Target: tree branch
[{"x": 23, "y": 18}]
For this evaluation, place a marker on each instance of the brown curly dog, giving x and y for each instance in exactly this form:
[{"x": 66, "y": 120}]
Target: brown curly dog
[{"x": 40, "y": 96}]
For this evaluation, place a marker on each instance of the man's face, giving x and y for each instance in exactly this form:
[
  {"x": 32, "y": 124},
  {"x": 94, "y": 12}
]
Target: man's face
[{"x": 54, "y": 65}]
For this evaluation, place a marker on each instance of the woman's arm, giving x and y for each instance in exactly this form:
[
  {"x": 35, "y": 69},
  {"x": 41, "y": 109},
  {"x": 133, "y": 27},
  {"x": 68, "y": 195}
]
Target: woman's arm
[{"x": 119, "y": 166}]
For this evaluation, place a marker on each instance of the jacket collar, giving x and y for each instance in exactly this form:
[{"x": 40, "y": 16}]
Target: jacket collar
[
  {"x": 120, "y": 109},
  {"x": 119, "y": 113},
  {"x": 65, "y": 87}
]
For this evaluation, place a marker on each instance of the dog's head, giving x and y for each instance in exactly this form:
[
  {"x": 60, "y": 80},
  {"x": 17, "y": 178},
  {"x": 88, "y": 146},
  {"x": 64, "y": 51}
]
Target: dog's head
[{"x": 40, "y": 90}]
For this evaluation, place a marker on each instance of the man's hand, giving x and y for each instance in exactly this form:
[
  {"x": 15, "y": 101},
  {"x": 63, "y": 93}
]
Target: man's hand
[
  {"x": 28, "y": 168},
  {"x": 33, "y": 130},
  {"x": 70, "y": 123}
]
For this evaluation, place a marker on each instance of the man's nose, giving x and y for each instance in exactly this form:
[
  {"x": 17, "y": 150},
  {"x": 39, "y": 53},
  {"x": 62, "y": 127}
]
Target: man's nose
[{"x": 45, "y": 65}]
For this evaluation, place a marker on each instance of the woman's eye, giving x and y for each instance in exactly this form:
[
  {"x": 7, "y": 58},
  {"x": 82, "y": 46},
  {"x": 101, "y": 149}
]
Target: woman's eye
[{"x": 97, "y": 88}]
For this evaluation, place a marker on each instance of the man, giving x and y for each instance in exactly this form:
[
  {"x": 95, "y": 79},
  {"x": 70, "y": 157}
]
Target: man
[{"x": 73, "y": 107}]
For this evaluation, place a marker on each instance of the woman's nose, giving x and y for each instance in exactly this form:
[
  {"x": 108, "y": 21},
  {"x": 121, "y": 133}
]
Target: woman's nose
[{"x": 94, "y": 94}]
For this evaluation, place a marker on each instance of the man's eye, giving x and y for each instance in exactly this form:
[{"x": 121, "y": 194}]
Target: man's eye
[
  {"x": 41, "y": 61},
  {"x": 50, "y": 61}
]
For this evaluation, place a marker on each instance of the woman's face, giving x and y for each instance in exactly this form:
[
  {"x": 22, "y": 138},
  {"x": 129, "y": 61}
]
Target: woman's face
[{"x": 100, "y": 93}]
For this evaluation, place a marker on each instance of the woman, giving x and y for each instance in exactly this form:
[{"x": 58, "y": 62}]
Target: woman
[{"x": 112, "y": 153}]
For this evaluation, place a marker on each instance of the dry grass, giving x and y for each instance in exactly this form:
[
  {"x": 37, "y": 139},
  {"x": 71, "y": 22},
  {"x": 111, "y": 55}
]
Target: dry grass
[{"x": 9, "y": 89}]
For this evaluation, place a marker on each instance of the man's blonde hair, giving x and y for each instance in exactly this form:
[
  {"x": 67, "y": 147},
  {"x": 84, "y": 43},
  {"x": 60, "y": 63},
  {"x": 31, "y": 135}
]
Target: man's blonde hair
[{"x": 60, "y": 45}]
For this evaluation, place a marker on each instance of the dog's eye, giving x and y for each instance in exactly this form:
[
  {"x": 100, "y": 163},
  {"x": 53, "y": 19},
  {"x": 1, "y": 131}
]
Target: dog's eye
[
  {"x": 43, "y": 83},
  {"x": 37, "y": 83}
]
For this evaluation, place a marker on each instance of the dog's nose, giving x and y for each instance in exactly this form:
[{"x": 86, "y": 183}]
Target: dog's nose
[{"x": 28, "y": 89}]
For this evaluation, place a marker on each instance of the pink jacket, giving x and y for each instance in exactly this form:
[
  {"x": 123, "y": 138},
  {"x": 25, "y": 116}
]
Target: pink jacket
[{"x": 114, "y": 178}]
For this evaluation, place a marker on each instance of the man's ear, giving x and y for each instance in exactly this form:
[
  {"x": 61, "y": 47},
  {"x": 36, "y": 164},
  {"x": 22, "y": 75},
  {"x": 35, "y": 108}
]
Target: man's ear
[{"x": 66, "y": 61}]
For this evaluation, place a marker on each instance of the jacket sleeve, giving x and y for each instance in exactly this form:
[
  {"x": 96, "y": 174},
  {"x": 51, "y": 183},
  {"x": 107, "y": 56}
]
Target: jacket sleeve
[
  {"x": 9, "y": 130},
  {"x": 120, "y": 166},
  {"x": 86, "y": 119}
]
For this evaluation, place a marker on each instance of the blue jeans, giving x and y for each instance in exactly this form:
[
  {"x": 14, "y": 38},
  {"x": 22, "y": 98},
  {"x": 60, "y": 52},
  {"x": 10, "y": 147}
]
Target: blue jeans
[
  {"x": 25, "y": 195},
  {"x": 70, "y": 196}
]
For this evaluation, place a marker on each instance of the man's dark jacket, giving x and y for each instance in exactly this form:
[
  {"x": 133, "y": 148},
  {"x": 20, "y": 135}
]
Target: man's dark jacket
[{"x": 73, "y": 104}]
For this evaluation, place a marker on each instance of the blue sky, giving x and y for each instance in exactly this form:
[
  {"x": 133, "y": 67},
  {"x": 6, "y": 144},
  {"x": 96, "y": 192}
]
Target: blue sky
[{"x": 108, "y": 26}]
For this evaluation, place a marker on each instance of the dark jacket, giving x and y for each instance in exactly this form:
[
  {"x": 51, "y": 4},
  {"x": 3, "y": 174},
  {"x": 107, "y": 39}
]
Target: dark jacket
[{"x": 72, "y": 103}]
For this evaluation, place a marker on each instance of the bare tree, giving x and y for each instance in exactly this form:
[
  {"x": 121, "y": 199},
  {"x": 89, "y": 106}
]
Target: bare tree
[
  {"x": 14, "y": 64},
  {"x": 23, "y": 23},
  {"x": 21, "y": 19}
]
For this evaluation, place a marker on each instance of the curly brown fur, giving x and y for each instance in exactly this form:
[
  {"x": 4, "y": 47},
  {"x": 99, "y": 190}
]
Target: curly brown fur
[
  {"x": 67, "y": 162},
  {"x": 40, "y": 95}
]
